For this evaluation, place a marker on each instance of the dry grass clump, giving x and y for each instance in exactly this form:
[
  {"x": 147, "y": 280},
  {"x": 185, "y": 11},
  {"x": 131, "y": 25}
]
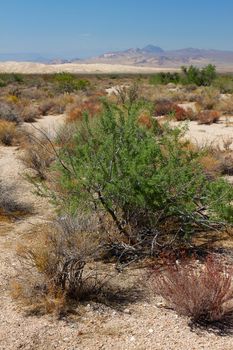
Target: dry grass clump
[
  {"x": 9, "y": 112},
  {"x": 39, "y": 154},
  {"x": 202, "y": 291},
  {"x": 58, "y": 264},
  {"x": 208, "y": 117},
  {"x": 211, "y": 165},
  {"x": 8, "y": 133},
  {"x": 30, "y": 113},
  {"x": 226, "y": 105},
  {"x": 52, "y": 106},
  {"x": 10, "y": 207},
  {"x": 206, "y": 97},
  {"x": 218, "y": 160}
]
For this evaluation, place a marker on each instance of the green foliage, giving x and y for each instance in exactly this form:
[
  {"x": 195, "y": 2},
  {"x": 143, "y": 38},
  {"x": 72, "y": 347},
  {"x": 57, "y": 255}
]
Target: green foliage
[
  {"x": 145, "y": 178},
  {"x": 224, "y": 83},
  {"x": 67, "y": 82},
  {"x": 9, "y": 78},
  {"x": 165, "y": 78},
  {"x": 200, "y": 77},
  {"x": 190, "y": 75}
]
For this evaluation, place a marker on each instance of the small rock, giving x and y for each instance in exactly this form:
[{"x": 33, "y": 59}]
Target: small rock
[{"x": 127, "y": 311}]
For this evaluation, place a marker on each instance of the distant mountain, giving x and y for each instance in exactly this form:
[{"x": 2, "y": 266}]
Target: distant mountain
[
  {"x": 151, "y": 49},
  {"x": 22, "y": 57},
  {"x": 148, "y": 56},
  {"x": 33, "y": 57},
  {"x": 155, "y": 56}
]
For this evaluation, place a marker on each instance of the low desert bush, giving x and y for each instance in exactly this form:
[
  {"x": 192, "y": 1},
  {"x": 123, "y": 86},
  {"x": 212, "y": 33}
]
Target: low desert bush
[
  {"x": 29, "y": 114},
  {"x": 226, "y": 105},
  {"x": 165, "y": 78},
  {"x": 222, "y": 157},
  {"x": 8, "y": 133},
  {"x": 55, "y": 105},
  {"x": 224, "y": 83},
  {"x": 202, "y": 290},
  {"x": 38, "y": 156},
  {"x": 208, "y": 117},
  {"x": 67, "y": 83},
  {"x": 75, "y": 112},
  {"x": 9, "y": 205},
  {"x": 58, "y": 264},
  {"x": 9, "y": 113},
  {"x": 164, "y": 108},
  {"x": 143, "y": 177},
  {"x": 190, "y": 75}
]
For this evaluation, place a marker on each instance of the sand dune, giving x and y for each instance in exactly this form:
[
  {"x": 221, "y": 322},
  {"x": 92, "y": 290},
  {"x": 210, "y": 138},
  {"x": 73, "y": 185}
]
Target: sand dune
[{"x": 82, "y": 68}]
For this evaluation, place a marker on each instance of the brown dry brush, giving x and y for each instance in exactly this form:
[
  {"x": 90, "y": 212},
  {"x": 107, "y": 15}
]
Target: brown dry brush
[
  {"x": 200, "y": 290},
  {"x": 60, "y": 265},
  {"x": 10, "y": 206}
]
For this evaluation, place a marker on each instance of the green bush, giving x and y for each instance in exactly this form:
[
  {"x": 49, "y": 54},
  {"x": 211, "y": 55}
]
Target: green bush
[
  {"x": 190, "y": 75},
  {"x": 142, "y": 175},
  {"x": 200, "y": 77},
  {"x": 67, "y": 82},
  {"x": 224, "y": 83},
  {"x": 165, "y": 78}
]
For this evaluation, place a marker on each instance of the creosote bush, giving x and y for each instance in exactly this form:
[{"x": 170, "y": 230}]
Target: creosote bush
[{"x": 145, "y": 179}]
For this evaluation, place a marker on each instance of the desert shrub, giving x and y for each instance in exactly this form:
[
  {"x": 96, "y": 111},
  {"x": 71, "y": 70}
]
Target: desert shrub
[
  {"x": 222, "y": 157},
  {"x": 190, "y": 76},
  {"x": 9, "y": 113},
  {"x": 38, "y": 155},
  {"x": 165, "y": 78},
  {"x": 9, "y": 204},
  {"x": 208, "y": 117},
  {"x": 67, "y": 82},
  {"x": 75, "y": 111},
  {"x": 8, "y": 133},
  {"x": 200, "y": 77},
  {"x": 225, "y": 105},
  {"x": 58, "y": 264},
  {"x": 165, "y": 107},
  {"x": 211, "y": 165},
  {"x": 144, "y": 178},
  {"x": 52, "y": 106},
  {"x": 10, "y": 78},
  {"x": 224, "y": 83},
  {"x": 208, "y": 97},
  {"x": 200, "y": 290},
  {"x": 29, "y": 114},
  {"x": 2, "y": 83}
]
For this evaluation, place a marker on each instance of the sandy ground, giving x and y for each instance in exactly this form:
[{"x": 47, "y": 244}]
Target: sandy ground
[
  {"x": 214, "y": 134},
  {"x": 142, "y": 325},
  {"x": 87, "y": 68}
]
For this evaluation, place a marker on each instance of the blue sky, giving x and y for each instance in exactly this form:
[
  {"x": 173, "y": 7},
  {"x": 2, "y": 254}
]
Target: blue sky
[{"x": 89, "y": 27}]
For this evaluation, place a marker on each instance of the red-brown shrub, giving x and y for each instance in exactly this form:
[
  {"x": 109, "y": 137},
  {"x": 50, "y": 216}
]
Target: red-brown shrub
[
  {"x": 76, "y": 112},
  {"x": 199, "y": 290},
  {"x": 208, "y": 117},
  {"x": 145, "y": 120},
  {"x": 166, "y": 107}
]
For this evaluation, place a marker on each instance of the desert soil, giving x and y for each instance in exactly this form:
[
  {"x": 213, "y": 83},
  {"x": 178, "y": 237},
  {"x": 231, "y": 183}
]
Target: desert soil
[{"x": 142, "y": 325}]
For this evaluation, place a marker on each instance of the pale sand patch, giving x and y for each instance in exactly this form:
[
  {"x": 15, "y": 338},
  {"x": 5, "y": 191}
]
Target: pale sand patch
[
  {"x": 214, "y": 134},
  {"x": 82, "y": 68}
]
